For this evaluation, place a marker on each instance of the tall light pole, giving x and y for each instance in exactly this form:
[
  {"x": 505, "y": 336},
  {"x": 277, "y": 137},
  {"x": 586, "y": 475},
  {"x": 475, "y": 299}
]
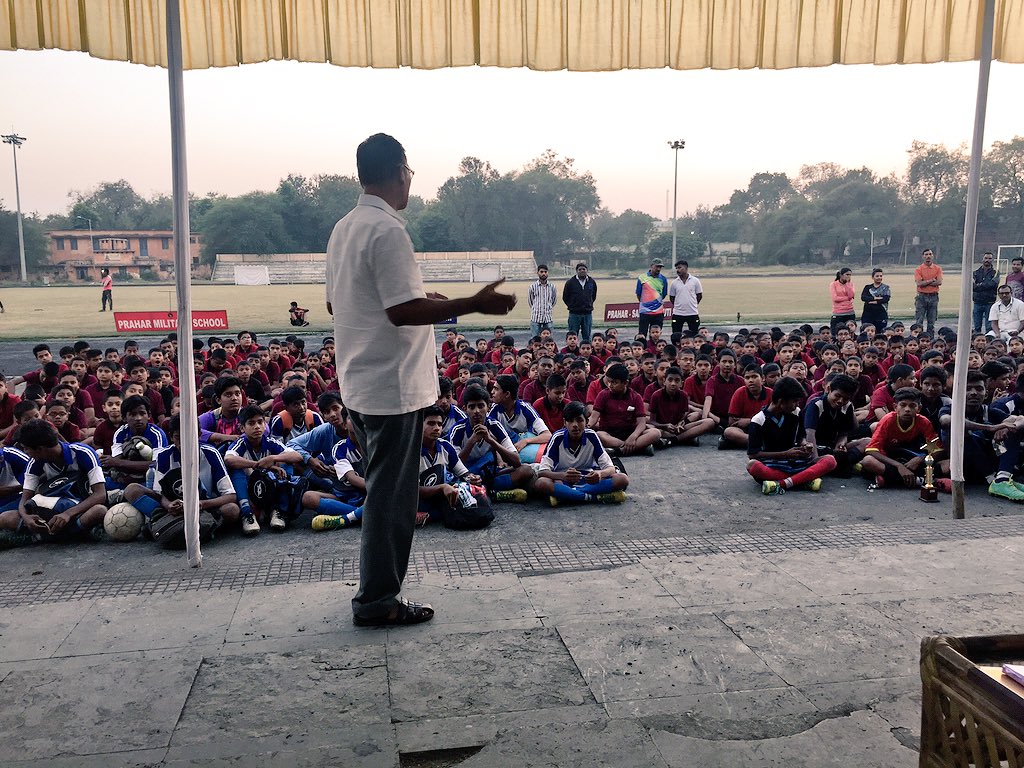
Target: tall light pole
[
  {"x": 88, "y": 221},
  {"x": 16, "y": 141},
  {"x": 871, "y": 252},
  {"x": 676, "y": 146}
]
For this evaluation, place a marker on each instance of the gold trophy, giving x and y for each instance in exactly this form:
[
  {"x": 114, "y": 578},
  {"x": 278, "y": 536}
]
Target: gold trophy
[{"x": 929, "y": 493}]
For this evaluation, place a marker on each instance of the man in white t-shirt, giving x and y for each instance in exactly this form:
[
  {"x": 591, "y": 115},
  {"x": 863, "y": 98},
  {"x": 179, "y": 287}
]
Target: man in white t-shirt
[
  {"x": 383, "y": 322},
  {"x": 685, "y": 294},
  {"x": 1007, "y": 314}
]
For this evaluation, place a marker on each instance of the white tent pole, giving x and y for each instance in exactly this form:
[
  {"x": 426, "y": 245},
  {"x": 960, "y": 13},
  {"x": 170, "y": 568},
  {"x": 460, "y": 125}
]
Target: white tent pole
[
  {"x": 963, "y": 338},
  {"x": 183, "y": 282}
]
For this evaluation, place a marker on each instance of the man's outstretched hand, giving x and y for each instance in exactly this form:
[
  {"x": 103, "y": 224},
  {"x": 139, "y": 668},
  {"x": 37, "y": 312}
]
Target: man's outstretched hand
[{"x": 489, "y": 302}]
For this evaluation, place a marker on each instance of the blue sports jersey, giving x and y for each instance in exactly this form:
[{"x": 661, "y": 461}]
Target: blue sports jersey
[
  {"x": 13, "y": 464},
  {"x": 437, "y": 467},
  {"x": 453, "y": 417},
  {"x": 278, "y": 430},
  {"x": 156, "y": 437},
  {"x": 268, "y": 446},
  {"x": 523, "y": 419},
  {"x": 560, "y": 454},
  {"x": 213, "y": 473},
  {"x": 462, "y": 431},
  {"x": 347, "y": 457},
  {"x": 75, "y": 459},
  {"x": 317, "y": 443}
]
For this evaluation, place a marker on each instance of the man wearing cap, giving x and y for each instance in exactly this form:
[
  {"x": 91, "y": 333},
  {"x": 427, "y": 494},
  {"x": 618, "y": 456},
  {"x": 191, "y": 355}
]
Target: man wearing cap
[
  {"x": 685, "y": 294},
  {"x": 651, "y": 290}
]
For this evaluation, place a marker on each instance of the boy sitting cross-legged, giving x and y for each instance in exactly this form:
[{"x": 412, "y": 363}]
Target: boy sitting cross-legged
[
  {"x": 486, "y": 449},
  {"x": 576, "y": 469},
  {"x": 670, "y": 413},
  {"x": 780, "y": 456},
  {"x": 524, "y": 425},
  {"x": 620, "y": 416},
  {"x": 121, "y": 469},
  {"x": 257, "y": 450},
  {"x": 895, "y": 455},
  {"x": 439, "y": 466},
  {"x": 343, "y": 505}
]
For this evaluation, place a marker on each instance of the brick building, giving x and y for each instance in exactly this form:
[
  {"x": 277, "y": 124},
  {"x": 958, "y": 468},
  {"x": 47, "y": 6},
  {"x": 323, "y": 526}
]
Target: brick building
[{"x": 78, "y": 255}]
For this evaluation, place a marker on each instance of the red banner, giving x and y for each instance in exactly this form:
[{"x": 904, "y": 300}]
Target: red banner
[
  {"x": 616, "y": 313},
  {"x": 164, "y": 322}
]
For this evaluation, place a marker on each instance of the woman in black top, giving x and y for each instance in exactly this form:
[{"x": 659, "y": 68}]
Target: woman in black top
[{"x": 875, "y": 296}]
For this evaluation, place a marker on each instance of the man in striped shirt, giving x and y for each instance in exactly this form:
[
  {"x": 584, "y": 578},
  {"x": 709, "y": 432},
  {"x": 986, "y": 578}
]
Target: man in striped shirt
[{"x": 542, "y": 298}]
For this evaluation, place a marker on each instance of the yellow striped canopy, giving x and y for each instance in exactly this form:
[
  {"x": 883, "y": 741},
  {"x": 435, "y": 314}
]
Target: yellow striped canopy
[{"x": 582, "y": 35}]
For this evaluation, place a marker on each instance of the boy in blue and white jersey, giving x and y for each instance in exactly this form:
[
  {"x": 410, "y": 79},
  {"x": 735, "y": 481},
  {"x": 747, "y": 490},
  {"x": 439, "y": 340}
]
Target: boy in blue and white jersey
[
  {"x": 217, "y": 495},
  {"x": 136, "y": 412},
  {"x": 446, "y": 402},
  {"x": 524, "y": 425},
  {"x": 13, "y": 463},
  {"x": 487, "y": 450},
  {"x": 576, "y": 469},
  {"x": 343, "y": 506},
  {"x": 74, "y": 508},
  {"x": 316, "y": 445},
  {"x": 439, "y": 465},
  {"x": 255, "y": 449}
]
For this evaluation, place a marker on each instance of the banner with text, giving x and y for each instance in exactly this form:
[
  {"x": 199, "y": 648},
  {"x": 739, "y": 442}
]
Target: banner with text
[
  {"x": 164, "y": 322},
  {"x": 616, "y": 313}
]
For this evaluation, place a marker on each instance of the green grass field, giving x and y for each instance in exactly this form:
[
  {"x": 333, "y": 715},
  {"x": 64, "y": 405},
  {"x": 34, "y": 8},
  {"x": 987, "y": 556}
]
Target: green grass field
[{"x": 73, "y": 312}]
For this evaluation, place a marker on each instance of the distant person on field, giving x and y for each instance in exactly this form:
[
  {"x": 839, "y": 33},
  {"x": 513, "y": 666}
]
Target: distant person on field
[
  {"x": 685, "y": 293},
  {"x": 542, "y": 298},
  {"x": 108, "y": 290},
  {"x": 986, "y": 281},
  {"x": 841, "y": 291},
  {"x": 579, "y": 294},
  {"x": 928, "y": 278},
  {"x": 651, "y": 290},
  {"x": 297, "y": 315},
  {"x": 1016, "y": 277},
  {"x": 876, "y": 296}
]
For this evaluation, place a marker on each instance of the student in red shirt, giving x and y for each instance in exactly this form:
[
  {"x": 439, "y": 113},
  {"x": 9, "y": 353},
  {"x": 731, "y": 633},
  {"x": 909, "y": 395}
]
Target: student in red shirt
[
  {"x": 7, "y": 402},
  {"x": 882, "y": 399},
  {"x": 640, "y": 383},
  {"x": 718, "y": 391},
  {"x": 577, "y": 382},
  {"x": 670, "y": 413},
  {"x": 551, "y": 405},
  {"x": 57, "y": 414},
  {"x": 659, "y": 380},
  {"x": 894, "y": 457},
  {"x": 103, "y": 437},
  {"x": 746, "y": 402},
  {"x": 695, "y": 386},
  {"x": 620, "y": 417}
]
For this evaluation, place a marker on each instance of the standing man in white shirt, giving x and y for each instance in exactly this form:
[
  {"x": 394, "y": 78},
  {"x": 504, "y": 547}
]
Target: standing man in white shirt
[
  {"x": 685, "y": 294},
  {"x": 383, "y": 321},
  {"x": 542, "y": 298},
  {"x": 1007, "y": 314}
]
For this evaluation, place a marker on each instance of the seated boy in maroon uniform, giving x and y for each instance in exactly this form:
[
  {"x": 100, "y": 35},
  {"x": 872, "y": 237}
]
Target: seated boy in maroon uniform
[
  {"x": 620, "y": 417},
  {"x": 747, "y": 401},
  {"x": 670, "y": 413}
]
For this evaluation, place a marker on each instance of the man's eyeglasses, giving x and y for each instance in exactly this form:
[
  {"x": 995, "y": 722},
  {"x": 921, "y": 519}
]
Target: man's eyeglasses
[{"x": 410, "y": 170}]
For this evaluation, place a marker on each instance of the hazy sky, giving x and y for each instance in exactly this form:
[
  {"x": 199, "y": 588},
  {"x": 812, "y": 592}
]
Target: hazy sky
[{"x": 89, "y": 121}]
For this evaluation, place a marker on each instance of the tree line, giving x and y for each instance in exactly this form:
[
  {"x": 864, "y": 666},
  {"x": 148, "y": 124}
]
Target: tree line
[{"x": 822, "y": 215}]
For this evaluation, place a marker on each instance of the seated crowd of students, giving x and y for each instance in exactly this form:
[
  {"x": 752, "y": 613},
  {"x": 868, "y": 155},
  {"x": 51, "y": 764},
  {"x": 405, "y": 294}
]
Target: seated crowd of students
[{"x": 96, "y": 428}]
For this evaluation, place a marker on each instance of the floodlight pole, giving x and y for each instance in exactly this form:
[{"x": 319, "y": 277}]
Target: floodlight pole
[
  {"x": 963, "y": 338},
  {"x": 16, "y": 141},
  {"x": 676, "y": 146},
  {"x": 871, "y": 253},
  {"x": 183, "y": 283}
]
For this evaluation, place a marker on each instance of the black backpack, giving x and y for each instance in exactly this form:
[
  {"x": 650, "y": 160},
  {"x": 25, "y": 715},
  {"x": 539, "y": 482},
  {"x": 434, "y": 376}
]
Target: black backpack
[{"x": 471, "y": 512}]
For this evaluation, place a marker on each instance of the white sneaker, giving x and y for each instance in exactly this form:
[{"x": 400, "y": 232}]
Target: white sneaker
[
  {"x": 277, "y": 522},
  {"x": 249, "y": 525}
]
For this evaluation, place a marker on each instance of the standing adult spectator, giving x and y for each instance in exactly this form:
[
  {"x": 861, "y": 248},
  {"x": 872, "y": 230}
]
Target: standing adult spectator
[
  {"x": 651, "y": 290},
  {"x": 685, "y": 294},
  {"x": 386, "y": 368},
  {"x": 108, "y": 290},
  {"x": 579, "y": 294},
  {"x": 984, "y": 294},
  {"x": 928, "y": 278},
  {"x": 1007, "y": 314},
  {"x": 542, "y": 298},
  {"x": 876, "y": 296},
  {"x": 841, "y": 291},
  {"x": 1016, "y": 277}
]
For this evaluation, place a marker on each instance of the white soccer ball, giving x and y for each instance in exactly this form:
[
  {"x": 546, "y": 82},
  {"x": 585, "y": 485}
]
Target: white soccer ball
[
  {"x": 123, "y": 522},
  {"x": 146, "y": 452}
]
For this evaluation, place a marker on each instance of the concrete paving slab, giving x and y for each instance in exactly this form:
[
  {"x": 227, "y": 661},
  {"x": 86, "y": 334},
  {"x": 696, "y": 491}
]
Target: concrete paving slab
[
  {"x": 851, "y": 571},
  {"x": 968, "y": 566},
  {"x": 861, "y": 739},
  {"x": 753, "y": 714},
  {"x": 469, "y": 674},
  {"x": 366, "y": 746},
  {"x": 242, "y": 705},
  {"x": 115, "y": 702},
  {"x": 472, "y": 599},
  {"x": 36, "y": 631},
  {"x": 432, "y": 735},
  {"x": 614, "y": 743},
  {"x": 830, "y": 643},
  {"x": 144, "y": 758},
  {"x": 627, "y": 591},
  {"x": 732, "y": 580},
  {"x": 624, "y": 660},
  {"x": 896, "y": 700},
  {"x": 984, "y": 614},
  {"x": 293, "y": 610},
  {"x": 143, "y": 622}
]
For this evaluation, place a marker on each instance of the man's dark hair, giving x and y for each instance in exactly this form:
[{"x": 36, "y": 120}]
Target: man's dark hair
[
  {"x": 578, "y": 365},
  {"x": 444, "y": 385},
  {"x": 682, "y": 263},
  {"x": 787, "y": 388},
  {"x": 932, "y": 372},
  {"x": 250, "y": 412},
  {"x": 752, "y": 368},
  {"x": 508, "y": 383},
  {"x": 541, "y": 266},
  {"x": 617, "y": 372},
  {"x": 80, "y": 346},
  {"x": 844, "y": 384},
  {"x": 907, "y": 393},
  {"x": 674, "y": 371},
  {"x": 433, "y": 410},
  {"x": 226, "y": 382},
  {"x": 133, "y": 402},
  {"x": 898, "y": 371},
  {"x": 574, "y": 410},
  {"x": 378, "y": 159},
  {"x": 25, "y": 406},
  {"x": 581, "y": 264},
  {"x": 475, "y": 394},
  {"x": 554, "y": 380},
  {"x": 476, "y": 368},
  {"x": 292, "y": 395},
  {"x": 975, "y": 377},
  {"x": 327, "y": 399},
  {"x": 38, "y": 434},
  {"x": 51, "y": 369},
  {"x": 40, "y": 348}
]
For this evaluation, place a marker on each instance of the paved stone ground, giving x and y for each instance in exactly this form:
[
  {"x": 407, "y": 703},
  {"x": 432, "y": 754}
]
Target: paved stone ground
[{"x": 698, "y": 624}]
